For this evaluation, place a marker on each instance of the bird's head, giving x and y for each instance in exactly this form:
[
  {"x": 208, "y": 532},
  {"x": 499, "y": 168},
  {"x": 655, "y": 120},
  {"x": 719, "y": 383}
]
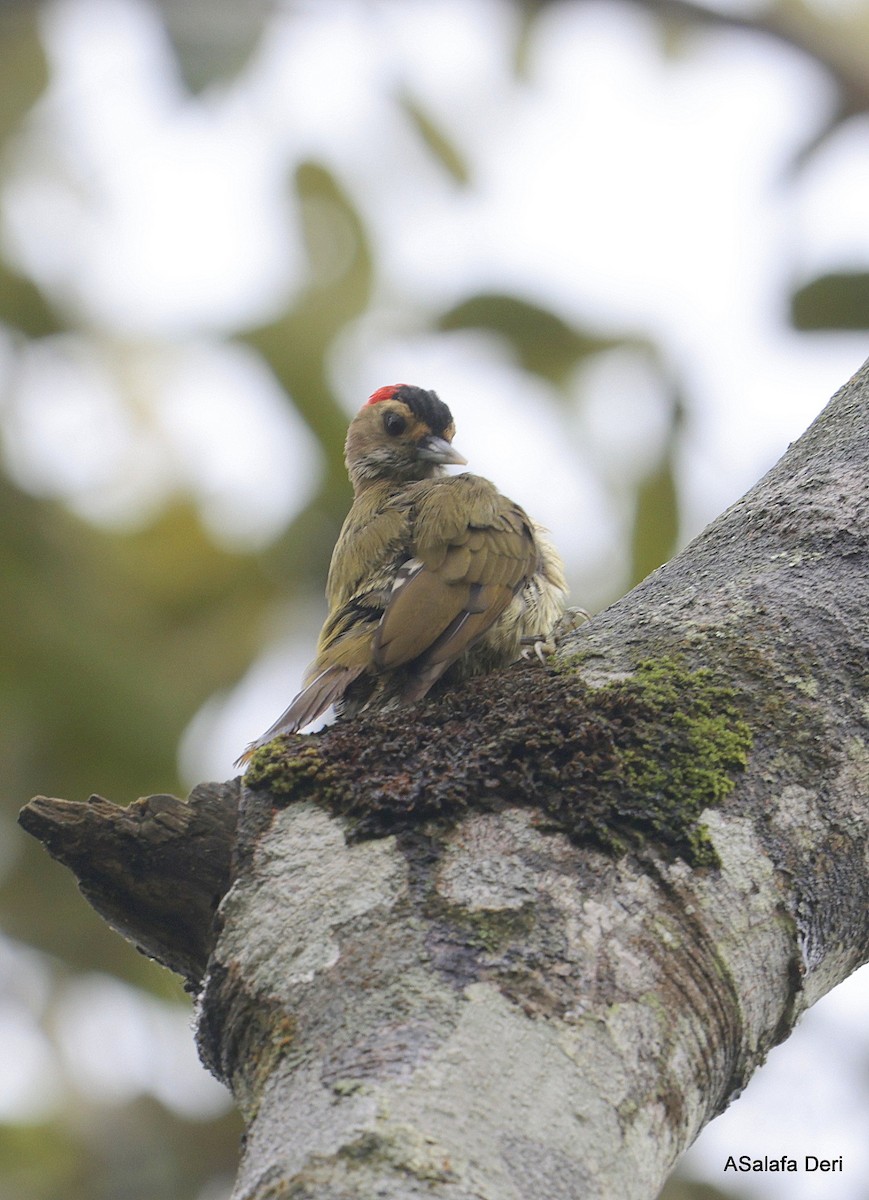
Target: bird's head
[{"x": 402, "y": 433}]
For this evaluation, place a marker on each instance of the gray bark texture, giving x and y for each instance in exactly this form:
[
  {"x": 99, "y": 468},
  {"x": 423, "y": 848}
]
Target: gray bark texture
[{"x": 525, "y": 940}]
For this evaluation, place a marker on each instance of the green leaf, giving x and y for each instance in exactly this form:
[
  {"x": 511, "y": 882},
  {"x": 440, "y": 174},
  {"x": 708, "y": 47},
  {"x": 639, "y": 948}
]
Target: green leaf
[
  {"x": 23, "y": 306},
  {"x": 340, "y": 277},
  {"x": 835, "y": 301},
  {"x": 655, "y": 533},
  {"x": 437, "y": 142},
  {"x": 23, "y": 69},
  {"x": 656, "y": 520},
  {"x": 296, "y": 345},
  {"x": 542, "y": 342}
]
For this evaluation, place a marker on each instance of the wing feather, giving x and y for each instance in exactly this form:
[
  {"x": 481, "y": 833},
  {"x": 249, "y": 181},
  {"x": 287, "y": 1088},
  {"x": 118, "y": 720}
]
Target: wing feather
[
  {"x": 325, "y": 689},
  {"x": 464, "y": 582}
]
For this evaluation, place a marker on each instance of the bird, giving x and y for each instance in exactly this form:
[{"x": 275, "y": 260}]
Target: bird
[{"x": 434, "y": 578}]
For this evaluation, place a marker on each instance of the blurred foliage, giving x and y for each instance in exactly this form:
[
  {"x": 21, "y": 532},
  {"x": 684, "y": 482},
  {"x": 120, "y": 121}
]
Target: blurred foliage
[
  {"x": 542, "y": 342},
  {"x": 833, "y": 302},
  {"x": 23, "y": 306},
  {"x": 23, "y": 69},
  {"x": 136, "y": 1152},
  {"x": 439, "y": 145},
  {"x": 112, "y": 641},
  {"x": 213, "y": 39},
  {"x": 656, "y": 519},
  {"x": 296, "y": 346},
  {"x": 655, "y": 528}
]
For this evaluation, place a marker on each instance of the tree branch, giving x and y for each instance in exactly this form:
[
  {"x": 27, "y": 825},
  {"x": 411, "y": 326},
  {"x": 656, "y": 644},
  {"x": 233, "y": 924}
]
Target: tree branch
[
  {"x": 529, "y": 938},
  {"x": 155, "y": 871}
]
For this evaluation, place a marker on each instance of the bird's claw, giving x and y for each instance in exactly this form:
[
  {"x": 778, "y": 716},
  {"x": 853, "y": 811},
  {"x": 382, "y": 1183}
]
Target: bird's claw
[
  {"x": 544, "y": 647},
  {"x": 569, "y": 621}
]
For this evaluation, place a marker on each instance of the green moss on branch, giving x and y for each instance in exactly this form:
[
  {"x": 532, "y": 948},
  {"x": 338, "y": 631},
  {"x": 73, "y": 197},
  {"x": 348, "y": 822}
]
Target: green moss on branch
[{"x": 638, "y": 758}]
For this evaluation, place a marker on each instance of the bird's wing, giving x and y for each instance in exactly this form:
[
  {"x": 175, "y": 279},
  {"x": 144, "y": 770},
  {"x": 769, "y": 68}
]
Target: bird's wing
[
  {"x": 472, "y": 550},
  {"x": 358, "y": 589}
]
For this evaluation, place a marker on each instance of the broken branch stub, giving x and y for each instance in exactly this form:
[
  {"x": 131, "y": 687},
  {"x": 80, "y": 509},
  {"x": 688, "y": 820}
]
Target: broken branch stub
[{"x": 155, "y": 871}]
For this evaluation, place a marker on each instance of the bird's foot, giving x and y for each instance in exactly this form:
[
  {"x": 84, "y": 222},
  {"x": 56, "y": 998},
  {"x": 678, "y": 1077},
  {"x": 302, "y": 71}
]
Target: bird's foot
[
  {"x": 569, "y": 621},
  {"x": 544, "y": 647}
]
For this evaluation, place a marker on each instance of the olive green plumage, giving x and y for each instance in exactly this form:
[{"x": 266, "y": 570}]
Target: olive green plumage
[{"x": 433, "y": 576}]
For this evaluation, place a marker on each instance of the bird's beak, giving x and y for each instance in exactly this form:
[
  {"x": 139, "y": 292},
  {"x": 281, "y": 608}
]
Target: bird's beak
[{"x": 438, "y": 450}]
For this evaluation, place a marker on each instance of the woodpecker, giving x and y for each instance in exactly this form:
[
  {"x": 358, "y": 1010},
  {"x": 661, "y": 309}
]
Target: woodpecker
[{"x": 434, "y": 578}]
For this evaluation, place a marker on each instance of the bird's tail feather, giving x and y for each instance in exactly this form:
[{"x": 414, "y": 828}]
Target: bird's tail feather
[{"x": 327, "y": 687}]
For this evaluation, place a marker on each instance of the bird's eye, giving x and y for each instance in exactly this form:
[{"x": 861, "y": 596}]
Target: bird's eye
[{"x": 394, "y": 423}]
